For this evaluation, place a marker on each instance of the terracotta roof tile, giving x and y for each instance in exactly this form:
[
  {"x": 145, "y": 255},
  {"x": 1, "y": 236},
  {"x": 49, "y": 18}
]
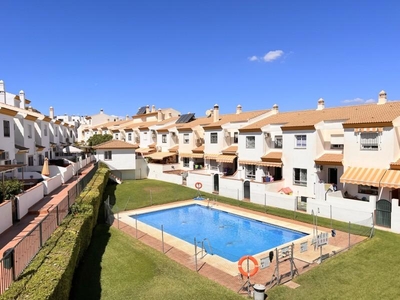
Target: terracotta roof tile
[
  {"x": 116, "y": 144},
  {"x": 242, "y": 117}
]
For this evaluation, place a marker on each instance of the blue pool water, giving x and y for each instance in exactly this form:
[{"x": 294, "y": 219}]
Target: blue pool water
[{"x": 230, "y": 236}]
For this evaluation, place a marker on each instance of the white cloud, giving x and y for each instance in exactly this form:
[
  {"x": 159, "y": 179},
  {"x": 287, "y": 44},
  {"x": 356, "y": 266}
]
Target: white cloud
[
  {"x": 253, "y": 58},
  {"x": 269, "y": 57},
  {"x": 272, "y": 55},
  {"x": 358, "y": 100}
]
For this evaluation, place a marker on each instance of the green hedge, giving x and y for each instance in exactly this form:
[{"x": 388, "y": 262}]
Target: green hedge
[{"x": 50, "y": 274}]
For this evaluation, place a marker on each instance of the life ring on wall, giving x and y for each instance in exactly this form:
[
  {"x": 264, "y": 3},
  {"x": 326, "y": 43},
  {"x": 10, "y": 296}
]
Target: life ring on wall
[
  {"x": 248, "y": 273},
  {"x": 198, "y": 185}
]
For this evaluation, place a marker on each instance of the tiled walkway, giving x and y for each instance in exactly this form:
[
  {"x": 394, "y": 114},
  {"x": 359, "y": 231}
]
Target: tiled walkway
[{"x": 37, "y": 212}]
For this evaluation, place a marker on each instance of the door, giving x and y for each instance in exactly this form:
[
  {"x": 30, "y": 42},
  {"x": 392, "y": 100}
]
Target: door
[
  {"x": 332, "y": 175},
  {"x": 216, "y": 182},
  {"x": 246, "y": 189},
  {"x": 278, "y": 173},
  {"x": 14, "y": 205},
  {"x": 383, "y": 213}
]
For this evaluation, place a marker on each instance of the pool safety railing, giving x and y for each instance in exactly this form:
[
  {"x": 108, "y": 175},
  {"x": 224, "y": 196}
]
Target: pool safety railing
[{"x": 203, "y": 250}]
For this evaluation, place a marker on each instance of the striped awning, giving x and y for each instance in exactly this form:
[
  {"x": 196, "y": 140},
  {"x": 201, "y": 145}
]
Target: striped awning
[
  {"x": 371, "y": 129},
  {"x": 225, "y": 158},
  {"x": 363, "y": 176},
  {"x": 211, "y": 156},
  {"x": 260, "y": 163},
  {"x": 391, "y": 179},
  {"x": 145, "y": 150},
  {"x": 192, "y": 155},
  {"x": 160, "y": 155},
  {"x": 332, "y": 159}
]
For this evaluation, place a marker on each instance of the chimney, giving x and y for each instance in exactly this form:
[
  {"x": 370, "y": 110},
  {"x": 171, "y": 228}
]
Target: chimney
[
  {"x": 238, "y": 109},
  {"x": 275, "y": 108},
  {"x": 216, "y": 113},
  {"x": 382, "y": 97},
  {"x": 51, "y": 112},
  {"x": 22, "y": 99},
  {"x": 101, "y": 111},
  {"x": 153, "y": 108},
  {"x": 169, "y": 115},
  {"x": 127, "y": 117},
  {"x": 2, "y": 92},
  {"x": 159, "y": 115},
  {"x": 147, "y": 109},
  {"x": 321, "y": 104}
]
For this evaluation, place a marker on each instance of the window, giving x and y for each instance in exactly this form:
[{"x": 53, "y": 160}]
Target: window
[
  {"x": 6, "y": 127},
  {"x": 213, "y": 138},
  {"x": 366, "y": 189},
  {"x": 300, "y": 176},
  {"x": 337, "y": 146},
  {"x": 235, "y": 137},
  {"x": 116, "y": 136},
  {"x": 164, "y": 138},
  {"x": 56, "y": 131},
  {"x": 29, "y": 131},
  {"x": 186, "y": 138},
  {"x": 107, "y": 155},
  {"x": 250, "y": 142},
  {"x": 30, "y": 160},
  {"x": 250, "y": 171},
  {"x": 369, "y": 141},
  {"x": 301, "y": 141},
  {"x": 278, "y": 142},
  {"x": 41, "y": 160},
  {"x": 186, "y": 162},
  {"x": 130, "y": 136},
  {"x": 104, "y": 131}
]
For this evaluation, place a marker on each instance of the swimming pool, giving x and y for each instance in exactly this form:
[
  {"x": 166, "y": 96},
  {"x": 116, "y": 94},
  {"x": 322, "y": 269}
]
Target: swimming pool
[{"x": 229, "y": 235}]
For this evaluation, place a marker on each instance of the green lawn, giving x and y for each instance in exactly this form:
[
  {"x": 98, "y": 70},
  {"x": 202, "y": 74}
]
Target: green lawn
[{"x": 117, "y": 266}]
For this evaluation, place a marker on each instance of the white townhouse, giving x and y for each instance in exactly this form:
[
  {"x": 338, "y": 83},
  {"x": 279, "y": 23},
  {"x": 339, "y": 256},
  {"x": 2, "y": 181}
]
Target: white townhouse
[
  {"x": 191, "y": 143},
  {"x": 221, "y": 138},
  {"x": 7, "y": 135},
  {"x": 120, "y": 157},
  {"x": 42, "y": 138},
  {"x": 89, "y": 122}
]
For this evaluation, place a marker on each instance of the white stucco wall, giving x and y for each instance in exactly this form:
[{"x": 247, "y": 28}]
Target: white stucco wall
[
  {"x": 29, "y": 198},
  {"x": 122, "y": 159},
  {"x": 5, "y": 216}
]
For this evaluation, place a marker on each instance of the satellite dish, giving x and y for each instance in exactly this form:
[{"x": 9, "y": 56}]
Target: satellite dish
[{"x": 208, "y": 112}]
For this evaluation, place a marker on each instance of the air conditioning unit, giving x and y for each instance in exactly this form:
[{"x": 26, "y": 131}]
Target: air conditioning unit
[
  {"x": 137, "y": 139},
  {"x": 4, "y": 155},
  {"x": 200, "y": 141},
  {"x": 173, "y": 133},
  {"x": 267, "y": 134}
]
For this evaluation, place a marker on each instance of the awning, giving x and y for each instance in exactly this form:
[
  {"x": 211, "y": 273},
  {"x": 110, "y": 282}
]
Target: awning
[
  {"x": 260, "y": 163},
  {"x": 393, "y": 165},
  {"x": 371, "y": 129},
  {"x": 40, "y": 148},
  {"x": 226, "y": 158},
  {"x": 362, "y": 176},
  {"x": 391, "y": 179},
  {"x": 211, "y": 156},
  {"x": 331, "y": 159},
  {"x": 145, "y": 150},
  {"x": 192, "y": 155},
  {"x": 274, "y": 159},
  {"x": 230, "y": 150},
  {"x": 21, "y": 149},
  {"x": 174, "y": 148},
  {"x": 160, "y": 155}
]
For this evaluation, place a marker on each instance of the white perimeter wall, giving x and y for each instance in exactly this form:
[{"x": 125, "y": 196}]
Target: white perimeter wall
[
  {"x": 5, "y": 216},
  {"x": 29, "y": 198}
]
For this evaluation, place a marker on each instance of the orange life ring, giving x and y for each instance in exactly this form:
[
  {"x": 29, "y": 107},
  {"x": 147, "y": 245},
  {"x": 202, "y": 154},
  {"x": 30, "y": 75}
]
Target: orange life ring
[
  {"x": 248, "y": 273},
  {"x": 198, "y": 185}
]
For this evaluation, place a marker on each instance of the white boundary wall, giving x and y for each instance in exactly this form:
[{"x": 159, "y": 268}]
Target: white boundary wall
[
  {"x": 342, "y": 209},
  {"x": 52, "y": 183},
  {"x": 395, "y": 216},
  {"x": 5, "y": 215},
  {"x": 29, "y": 198}
]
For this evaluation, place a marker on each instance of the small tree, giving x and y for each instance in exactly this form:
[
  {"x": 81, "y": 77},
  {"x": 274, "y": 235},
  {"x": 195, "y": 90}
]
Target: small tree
[
  {"x": 10, "y": 188},
  {"x": 99, "y": 139}
]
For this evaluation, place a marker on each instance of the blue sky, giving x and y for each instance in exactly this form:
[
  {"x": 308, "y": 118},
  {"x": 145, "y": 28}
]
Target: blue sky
[{"x": 83, "y": 56}]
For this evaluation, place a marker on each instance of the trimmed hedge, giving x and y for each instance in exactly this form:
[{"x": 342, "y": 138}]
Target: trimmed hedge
[{"x": 50, "y": 274}]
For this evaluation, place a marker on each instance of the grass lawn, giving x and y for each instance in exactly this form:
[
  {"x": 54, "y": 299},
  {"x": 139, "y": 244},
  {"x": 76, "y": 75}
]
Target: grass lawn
[{"x": 117, "y": 266}]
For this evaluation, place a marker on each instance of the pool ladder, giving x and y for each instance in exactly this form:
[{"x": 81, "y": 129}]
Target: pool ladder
[{"x": 203, "y": 249}]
